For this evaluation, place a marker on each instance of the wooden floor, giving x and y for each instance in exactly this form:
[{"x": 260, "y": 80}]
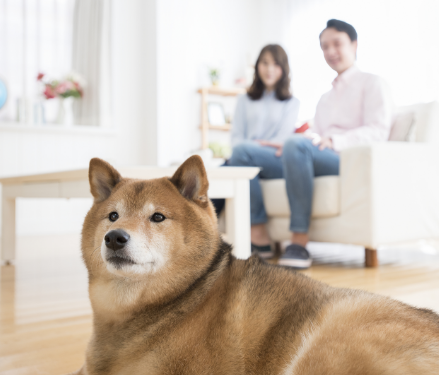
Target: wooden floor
[{"x": 45, "y": 315}]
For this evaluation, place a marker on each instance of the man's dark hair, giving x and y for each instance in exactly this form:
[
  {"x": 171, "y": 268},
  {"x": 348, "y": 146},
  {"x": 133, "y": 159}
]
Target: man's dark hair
[{"x": 341, "y": 26}]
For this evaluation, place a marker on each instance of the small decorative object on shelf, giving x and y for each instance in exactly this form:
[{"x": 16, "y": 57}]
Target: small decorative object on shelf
[
  {"x": 66, "y": 90},
  {"x": 214, "y": 74}
]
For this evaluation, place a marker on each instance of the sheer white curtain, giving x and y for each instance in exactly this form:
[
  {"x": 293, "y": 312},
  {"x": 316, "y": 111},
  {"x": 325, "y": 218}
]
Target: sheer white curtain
[
  {"x": 35, "y": 36},
  {"x": 397, "y": 39},
  {"x": 91, "y": 59}
]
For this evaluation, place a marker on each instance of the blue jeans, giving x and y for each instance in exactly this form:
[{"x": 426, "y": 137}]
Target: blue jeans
[{"x": 300, "y": 162}]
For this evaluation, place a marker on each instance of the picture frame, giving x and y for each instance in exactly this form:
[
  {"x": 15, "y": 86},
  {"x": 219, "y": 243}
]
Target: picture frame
[{"x": 215, "y": 114}]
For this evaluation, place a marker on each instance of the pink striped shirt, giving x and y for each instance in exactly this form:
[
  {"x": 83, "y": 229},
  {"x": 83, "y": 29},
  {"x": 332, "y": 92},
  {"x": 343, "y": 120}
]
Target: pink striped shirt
[{"x": 356, "y": 111}]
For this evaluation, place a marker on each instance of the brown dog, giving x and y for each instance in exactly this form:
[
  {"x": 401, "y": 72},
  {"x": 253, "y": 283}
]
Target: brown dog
[{"x": 169, "y": 298}]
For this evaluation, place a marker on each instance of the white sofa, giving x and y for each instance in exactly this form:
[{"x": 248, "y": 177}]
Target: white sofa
[{"x": 385, "y": 193}]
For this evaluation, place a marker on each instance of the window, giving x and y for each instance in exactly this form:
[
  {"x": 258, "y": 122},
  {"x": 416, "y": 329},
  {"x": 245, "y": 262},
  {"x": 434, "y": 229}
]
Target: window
[
  {"x": 55, "y": 37},
  {"x": 35, "y": 36}
]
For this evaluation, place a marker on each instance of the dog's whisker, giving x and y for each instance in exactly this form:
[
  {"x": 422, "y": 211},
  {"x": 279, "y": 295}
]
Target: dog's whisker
[{"x": 92, "y": 257}]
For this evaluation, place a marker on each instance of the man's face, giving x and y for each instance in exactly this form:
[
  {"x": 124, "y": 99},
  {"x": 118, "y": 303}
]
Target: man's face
[{"x": 338, "y": 49}]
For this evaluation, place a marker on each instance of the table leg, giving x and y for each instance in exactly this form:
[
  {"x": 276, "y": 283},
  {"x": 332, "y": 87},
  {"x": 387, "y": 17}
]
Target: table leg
[
  {"x": 238, "y": 219},
  {"x": 8, "y": 229}
]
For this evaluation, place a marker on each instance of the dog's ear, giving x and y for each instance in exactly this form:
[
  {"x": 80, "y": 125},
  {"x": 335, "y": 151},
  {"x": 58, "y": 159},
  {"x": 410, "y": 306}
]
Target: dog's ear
[
  {"x": 103, "y": 178},
  {"x": 191, "y": 180}
]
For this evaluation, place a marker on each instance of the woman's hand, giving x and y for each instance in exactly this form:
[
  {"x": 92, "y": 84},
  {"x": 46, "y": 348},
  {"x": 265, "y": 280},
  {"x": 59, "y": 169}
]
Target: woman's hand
[{"x": 277, "y": 146}]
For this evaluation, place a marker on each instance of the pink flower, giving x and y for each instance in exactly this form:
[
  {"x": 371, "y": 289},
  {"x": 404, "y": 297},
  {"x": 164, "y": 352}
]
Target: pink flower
[
  {"x": 49, "y": 92},
  {"x": 40, "y": 76},
  {"x": 65, "y": 86}
]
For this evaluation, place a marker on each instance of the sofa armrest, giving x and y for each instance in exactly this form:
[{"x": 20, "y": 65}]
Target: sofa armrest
[{"x": 392, "y": 190}]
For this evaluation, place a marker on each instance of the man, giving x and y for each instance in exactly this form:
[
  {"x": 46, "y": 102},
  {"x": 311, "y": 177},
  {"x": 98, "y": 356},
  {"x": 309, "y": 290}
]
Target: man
[{"x": 357, "y": 110}]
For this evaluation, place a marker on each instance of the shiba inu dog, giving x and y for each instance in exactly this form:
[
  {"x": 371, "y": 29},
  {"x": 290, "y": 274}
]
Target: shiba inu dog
[{"x": 168, "y": 296}]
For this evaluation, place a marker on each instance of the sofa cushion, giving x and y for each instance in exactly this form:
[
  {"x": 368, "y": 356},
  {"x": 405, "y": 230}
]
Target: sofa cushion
[
  {"x": 326, "y": 197},
  {"x": 403, "y": 127},
  {"x": 424, "y": 127},
  {"x": 427, "y": 129}
]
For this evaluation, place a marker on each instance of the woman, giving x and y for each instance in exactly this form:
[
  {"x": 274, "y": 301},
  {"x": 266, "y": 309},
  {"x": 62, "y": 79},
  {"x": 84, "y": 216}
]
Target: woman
[{"x": 267, "y": 113}]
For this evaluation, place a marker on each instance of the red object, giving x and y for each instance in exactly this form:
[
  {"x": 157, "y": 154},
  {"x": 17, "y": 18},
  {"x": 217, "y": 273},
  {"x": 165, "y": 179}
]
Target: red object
[
  {"x": 302, "y": 129},
  {"x": 40, "y": 76}
]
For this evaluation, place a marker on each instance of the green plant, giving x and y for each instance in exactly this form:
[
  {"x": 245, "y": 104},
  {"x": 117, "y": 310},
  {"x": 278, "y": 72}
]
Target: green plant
[{"x": 220, "y": 150}]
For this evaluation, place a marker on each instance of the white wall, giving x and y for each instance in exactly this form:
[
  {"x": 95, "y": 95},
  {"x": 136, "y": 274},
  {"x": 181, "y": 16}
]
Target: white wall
[
  {"x": 134, "y": 80},
  {"x": 192, "y": 35},
  {"x": 272, "y": 24}
]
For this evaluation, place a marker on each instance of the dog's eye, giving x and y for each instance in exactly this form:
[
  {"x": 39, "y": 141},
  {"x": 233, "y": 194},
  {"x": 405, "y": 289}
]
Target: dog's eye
[
  {"x": 157, "y": 217},
  {"x": 113, "y": 216}
]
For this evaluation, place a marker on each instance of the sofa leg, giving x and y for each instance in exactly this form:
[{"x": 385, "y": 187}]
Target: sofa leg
[
  {"x": 277, "y": 249},
  {"x": 371, "y": 258}
]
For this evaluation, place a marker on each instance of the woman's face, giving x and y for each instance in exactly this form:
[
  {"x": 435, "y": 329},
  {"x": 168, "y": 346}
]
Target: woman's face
[{"x": 269, "y": 71}]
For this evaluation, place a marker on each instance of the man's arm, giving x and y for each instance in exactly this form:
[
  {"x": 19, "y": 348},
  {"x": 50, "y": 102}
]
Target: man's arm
[{"x": 377, "y": 118}]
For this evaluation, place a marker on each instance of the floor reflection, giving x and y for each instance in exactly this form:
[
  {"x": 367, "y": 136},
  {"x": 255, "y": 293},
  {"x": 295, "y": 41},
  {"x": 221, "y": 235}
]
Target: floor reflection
[{"x": 48, "y": 281}]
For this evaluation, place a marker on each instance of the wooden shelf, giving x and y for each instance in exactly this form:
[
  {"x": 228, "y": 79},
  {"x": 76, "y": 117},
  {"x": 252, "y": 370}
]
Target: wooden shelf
[
  {"x": 225, "y": 127},
  {"x": 218, "y": 90},
  {"x": 205, "y": 126}
]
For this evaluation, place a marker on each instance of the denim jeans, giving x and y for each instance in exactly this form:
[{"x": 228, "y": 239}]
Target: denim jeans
[{"x": 300, "y": 162}]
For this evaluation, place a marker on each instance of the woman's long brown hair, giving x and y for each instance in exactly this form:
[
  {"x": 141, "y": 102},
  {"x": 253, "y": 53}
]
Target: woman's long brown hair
[{"x": 282, "y": 89}]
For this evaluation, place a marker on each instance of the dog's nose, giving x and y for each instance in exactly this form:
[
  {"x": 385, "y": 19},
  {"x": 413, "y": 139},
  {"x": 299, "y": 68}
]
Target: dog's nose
[{"x": 116, "y": 239}]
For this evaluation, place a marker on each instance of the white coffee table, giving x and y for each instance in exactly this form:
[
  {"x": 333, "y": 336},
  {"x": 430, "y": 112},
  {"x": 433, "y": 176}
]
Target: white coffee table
[{"x": 231, "y": 183}]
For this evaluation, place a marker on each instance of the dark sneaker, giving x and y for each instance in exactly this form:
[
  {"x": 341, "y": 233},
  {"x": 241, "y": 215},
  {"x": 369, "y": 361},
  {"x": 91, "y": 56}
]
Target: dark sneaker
[
  {"x": 264, "y": 252},
  {"x": 295, "y": 256}
]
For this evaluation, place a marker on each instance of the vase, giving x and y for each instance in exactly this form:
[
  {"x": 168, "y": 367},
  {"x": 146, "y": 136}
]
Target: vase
[{"x": 65, "y": 112}]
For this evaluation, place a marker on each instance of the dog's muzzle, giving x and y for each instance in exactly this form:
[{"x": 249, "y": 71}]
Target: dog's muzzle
[{"x": 116, "y": 241}]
